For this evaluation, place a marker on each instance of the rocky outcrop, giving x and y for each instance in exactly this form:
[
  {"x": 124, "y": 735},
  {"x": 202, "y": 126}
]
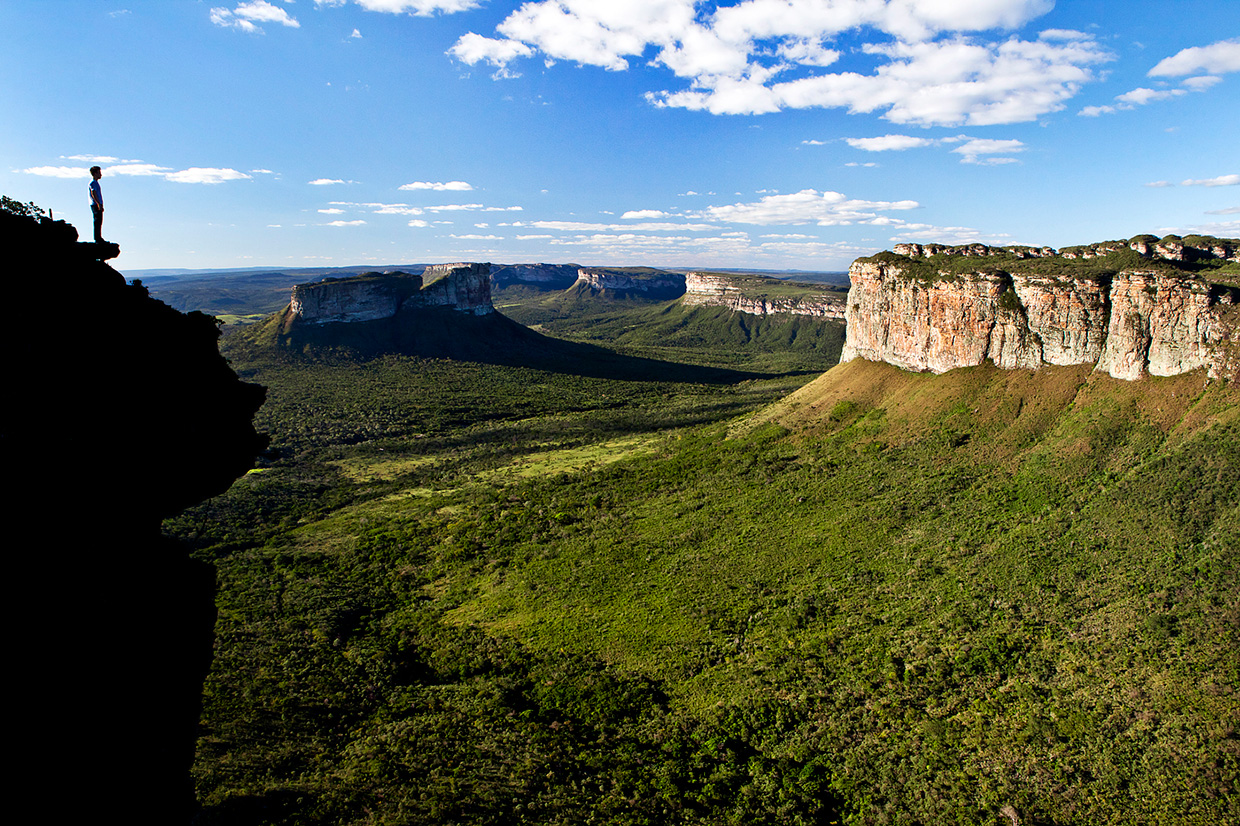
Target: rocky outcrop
[
  {"x": 651, "y": 285},
  {"x": 1168, "y": 248},
  {"x": 376, "y": 296},
  {"x": 462, "y": 287},
  {"x": 1165, "y": 326},
  {"x": 712, "y": 289},
  {"x": 970, "y": 251},
  {"x": 1130, "y": 325}
]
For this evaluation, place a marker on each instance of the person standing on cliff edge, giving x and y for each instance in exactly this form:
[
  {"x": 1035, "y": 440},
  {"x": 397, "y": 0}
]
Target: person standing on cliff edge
[{"x": 96, "y": 203}]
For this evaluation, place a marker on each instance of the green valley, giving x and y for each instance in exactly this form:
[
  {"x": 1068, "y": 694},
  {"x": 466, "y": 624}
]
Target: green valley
[{"x": 740, "y": 590}]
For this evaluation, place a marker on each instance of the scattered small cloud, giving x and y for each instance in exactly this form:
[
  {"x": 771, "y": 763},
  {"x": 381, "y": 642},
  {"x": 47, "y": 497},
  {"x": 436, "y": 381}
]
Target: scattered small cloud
[
  {"x": 889, "y": 143},
  {"x": 357, "y": 35},
  {"x": 248, "y": 17},
  {"x": 1204, "y": 63},
  {"x": 58, "y": 171},
  {"x": 981, "y": 150},
  {"x": 356, "y": 223},
  {"x": 418, "y": 8},
  {"x": 193, "y": 175},
  {"x": 1141, "y": 96},
  {"x": 206, "y": 175},
  {"x": 324, "y": 181},
  {"x": 436, "y": 186},
  {"x": 1216, "y": 59},
  {"x": 1221, "y": 180},
  {"x": 644, "y": 214},
  {"x": 805, "y": 207},
  {"x": 1159, "y": 184},
  {"x": 1228, "y": 211}
]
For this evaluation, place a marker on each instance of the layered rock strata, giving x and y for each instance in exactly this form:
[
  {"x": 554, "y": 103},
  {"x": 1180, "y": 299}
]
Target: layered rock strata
[
  {"x": 375, "y": 296},
  {"x": 707, "y": 289},
  {"x": 1131, "y": 325}
]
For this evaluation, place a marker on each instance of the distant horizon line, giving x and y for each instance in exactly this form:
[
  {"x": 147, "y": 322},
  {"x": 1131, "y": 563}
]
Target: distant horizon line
[{"x": 168, "y": 272}]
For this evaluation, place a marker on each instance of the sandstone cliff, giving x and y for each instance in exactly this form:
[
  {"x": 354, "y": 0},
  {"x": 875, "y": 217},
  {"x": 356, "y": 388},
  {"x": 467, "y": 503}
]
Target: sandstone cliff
[
  {"x": 377, "y": 296},
  {"x": 1135, "y": 322},
  {"x": 713, "y": 289}
]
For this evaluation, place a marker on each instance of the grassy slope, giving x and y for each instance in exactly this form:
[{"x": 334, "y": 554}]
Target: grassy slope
[{"x": 889, "y": 597}]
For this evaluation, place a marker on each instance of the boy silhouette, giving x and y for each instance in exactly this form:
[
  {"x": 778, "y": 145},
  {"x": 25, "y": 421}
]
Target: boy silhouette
[{"x": 96, "y": 203}]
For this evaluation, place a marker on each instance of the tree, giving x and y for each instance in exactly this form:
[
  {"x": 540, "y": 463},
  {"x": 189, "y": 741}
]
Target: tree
[{"x": 28, "y": 210}]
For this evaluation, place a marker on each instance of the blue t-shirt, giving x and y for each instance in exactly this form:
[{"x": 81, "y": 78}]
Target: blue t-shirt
[{"x": 96, "y": 194}]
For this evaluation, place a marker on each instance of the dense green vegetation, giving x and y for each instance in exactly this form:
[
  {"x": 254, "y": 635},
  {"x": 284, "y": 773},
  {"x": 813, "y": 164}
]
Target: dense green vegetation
[
  {"x": 668, "y": 329},
  {"x": 481, "y": 593}
]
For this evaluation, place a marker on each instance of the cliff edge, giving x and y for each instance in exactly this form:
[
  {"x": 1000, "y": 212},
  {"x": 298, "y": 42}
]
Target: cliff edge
[
  {"x": 1131, "y": 309},
  {"x": 119, "y": 412}
]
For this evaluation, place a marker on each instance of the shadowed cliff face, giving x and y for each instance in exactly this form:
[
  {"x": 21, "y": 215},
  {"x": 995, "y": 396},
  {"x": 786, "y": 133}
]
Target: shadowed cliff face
[{"x": 119, "y": 412}]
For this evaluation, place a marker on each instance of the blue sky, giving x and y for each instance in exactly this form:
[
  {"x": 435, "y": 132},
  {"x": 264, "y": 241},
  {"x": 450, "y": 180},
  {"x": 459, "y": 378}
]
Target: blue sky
[{"x": 779, "y": 134}]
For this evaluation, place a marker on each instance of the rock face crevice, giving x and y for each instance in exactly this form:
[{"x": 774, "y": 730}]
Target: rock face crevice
[
  {"x": 1132, "y": 324},
  {"x": 710, "y": 290}
]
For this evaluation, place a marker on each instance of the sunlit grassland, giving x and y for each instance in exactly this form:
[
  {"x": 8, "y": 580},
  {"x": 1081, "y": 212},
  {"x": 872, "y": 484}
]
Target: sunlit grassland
[{"x": 885, "y": 597}]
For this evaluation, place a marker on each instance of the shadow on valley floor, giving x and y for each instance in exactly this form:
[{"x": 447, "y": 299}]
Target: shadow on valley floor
[{"x": 490, "y": 339}]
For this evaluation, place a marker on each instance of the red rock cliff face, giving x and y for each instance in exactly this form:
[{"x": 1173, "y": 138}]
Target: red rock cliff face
[{"x": 1137, "y": 324}]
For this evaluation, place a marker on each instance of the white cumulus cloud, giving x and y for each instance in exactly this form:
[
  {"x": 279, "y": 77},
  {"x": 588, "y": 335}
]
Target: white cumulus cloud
[{"x": 766, "y": 55}]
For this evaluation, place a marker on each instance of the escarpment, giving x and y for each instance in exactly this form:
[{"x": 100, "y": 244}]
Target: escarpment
[
  {"x": 376, "y": 296},
  {"x": 1148, "y": 315},
  {"x": 713, "y": 290},
  {"x": 653, "y": 284}
]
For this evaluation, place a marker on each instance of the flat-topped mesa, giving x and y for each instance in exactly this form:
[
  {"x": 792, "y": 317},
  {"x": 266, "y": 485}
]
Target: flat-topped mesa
[
  {"x": 718, "y": 290},
  {"x": 373, "y": 296},
  {"x": 544, "y": 276},
  {"x": 1160, "y": 321},
  {"x": 652, "y": 284}
]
